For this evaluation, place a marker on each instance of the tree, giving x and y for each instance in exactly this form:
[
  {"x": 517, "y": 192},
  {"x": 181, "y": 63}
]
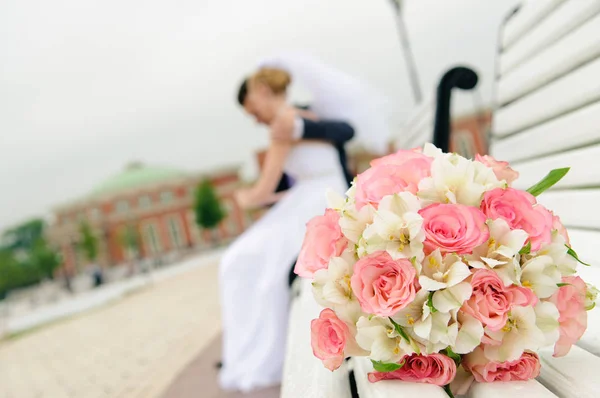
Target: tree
[
  {"x": 88, "y": 243},
  {"x": 24, "y": 236},
  {"x": 44, "y": 258},
  {"x": 15, "y": 274},
  {"x": 25, "y": 256},
  {"x": 207, "y": 206}
]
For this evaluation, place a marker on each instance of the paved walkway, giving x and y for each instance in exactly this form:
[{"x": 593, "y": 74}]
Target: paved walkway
[
  {"x": 132, "y": 348},
  {"x": 199, "y": 379}
]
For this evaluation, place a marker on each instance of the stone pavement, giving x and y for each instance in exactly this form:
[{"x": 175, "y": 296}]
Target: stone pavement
[
  {"x": 199, "y": 379},
  {"x": 133, "y": 348}
]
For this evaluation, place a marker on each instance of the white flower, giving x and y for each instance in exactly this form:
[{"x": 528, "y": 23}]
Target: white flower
[
  {"x": 414, "y": 311},
  {"x": 434, "y": 330},
  {"x": 455, "y": 179},
  {"x": 541, "y": 275},
  {"x": 566, "y": 264},
  {"x": 519, "y": 334},
  {"x": 353, "y": 222},
  {"x": 469, "y": 335},
  {"x": 396, "y": 228},
  {"x": 591, "y": 294},
  {"x": 432, "y": 151},
  {"x": 445, "y": 278},
  {"x": 379, "y": 336},
  {"x": 500, "y": 252},
  {"x": 332, "y": 289},
  {"x": 547, "y": 320},
  {"x": 438, "y": 273},
  {"x": 335, "y": 201},
  {"x": 452, "y": 298}
]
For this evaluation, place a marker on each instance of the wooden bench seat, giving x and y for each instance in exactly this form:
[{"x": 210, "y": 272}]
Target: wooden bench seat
[{"x": 547, "y": 116}]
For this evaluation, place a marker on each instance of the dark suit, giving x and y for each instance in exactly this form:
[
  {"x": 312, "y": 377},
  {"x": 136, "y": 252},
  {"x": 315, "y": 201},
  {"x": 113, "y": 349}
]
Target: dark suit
[{"x": 338, "y": 133}]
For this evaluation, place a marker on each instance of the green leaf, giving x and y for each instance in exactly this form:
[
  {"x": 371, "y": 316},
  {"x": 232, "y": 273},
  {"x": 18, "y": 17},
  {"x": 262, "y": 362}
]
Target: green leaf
[
  {"x": 526, "y": 249},
  {"x": 448, "y": 391},
  {"x": 562, "y": 284},
  {"x": 452, "y": 355},
  {"x": 572, "y": 253},
  {"x": 551, "y": 178},
  {"x": 400, "y": 331},
  {"x": 386, "y": 367},
  {"x": 430, "y": 303}
]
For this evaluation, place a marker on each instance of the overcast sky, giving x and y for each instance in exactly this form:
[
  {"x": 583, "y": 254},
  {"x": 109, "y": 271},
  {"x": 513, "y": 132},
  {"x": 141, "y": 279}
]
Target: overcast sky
[{"x": 89, "y": 85}]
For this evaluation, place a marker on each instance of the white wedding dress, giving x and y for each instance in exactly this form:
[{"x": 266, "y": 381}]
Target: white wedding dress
[{"x": 254, "y": 271}]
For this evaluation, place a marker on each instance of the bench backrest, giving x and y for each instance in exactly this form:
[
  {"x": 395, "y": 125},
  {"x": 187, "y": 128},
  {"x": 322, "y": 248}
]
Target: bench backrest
[
  {"x": 548, "y": 116},
  {"x": 548, "y": 108}
]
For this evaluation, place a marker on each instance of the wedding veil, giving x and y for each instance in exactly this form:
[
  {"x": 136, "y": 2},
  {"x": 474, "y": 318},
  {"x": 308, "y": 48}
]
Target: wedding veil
[{"x": 338, "y": 96}]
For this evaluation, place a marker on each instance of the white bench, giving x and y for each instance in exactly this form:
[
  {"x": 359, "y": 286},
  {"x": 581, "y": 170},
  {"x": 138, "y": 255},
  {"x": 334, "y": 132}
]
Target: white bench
[
  {"x": 417, "y": 130},
  {"x": 547, "y": 116}
]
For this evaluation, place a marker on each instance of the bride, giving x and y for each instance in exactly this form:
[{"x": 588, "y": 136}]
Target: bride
[{"x": 254, "y": 270}]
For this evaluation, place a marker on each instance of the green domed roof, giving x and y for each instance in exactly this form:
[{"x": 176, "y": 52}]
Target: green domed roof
[{"x": 137, "y": 175}]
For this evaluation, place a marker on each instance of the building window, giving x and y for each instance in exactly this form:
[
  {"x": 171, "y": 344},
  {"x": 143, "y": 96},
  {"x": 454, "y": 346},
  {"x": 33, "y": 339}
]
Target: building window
[
  {"x": 152, "y": 239},
  {"x": 176, "y": 232},
  {"x": 145, "y": 202},
  {"x": 463, "y": 143},
  {"x": 129, "y": 242},
  {"x": 122, "y": 206},
  {"x": 166, "y": 197}
]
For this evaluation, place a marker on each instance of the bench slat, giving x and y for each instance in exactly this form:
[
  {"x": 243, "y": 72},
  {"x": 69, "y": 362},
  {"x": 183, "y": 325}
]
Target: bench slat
[
  {"x": 566, "y": 17},
  {"x": 529, "y": 389},
  {"x": 418, "y": 129},
  {"x": 570, "y": 92},
  {"x": 580, "y": 46},
  {"x": 575, "y": 375},
  {"x": 304, "y": 375},
  {"x": 576, "y": 208},
  {"x": 390, "y": 388},
  {"x": 529, "y": 15},
  {"x": 582, "y": 127},
  {"x": 582, "y": 173}
]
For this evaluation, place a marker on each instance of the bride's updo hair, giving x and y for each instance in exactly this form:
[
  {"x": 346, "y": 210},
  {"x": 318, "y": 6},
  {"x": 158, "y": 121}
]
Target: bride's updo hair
[{"x": 277, "y": 80}]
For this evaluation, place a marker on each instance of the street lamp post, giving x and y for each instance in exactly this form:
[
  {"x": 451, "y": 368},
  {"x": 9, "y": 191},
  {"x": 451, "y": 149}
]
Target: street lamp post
[{"x": 408, "y": 55}]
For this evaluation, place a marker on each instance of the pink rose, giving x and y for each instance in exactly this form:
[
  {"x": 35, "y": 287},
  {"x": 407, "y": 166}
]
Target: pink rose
[
  {"x": 570, "y": 301},
  {"x": 435, "y": 369},
  {"x": 521, "y": 211},
  {"x": 491, "y": 301},
  {"x": 560, "y": 228},
  {"x": 401, "y": 157},
  {"x": 501, "y": 169},
  {"x": 391, "y": 174},
  {"x": 323, "y": 240},
  {"x": 328, "y": 337},
  {"x": 525, "y": 368},
  {"x": 382, "y": 285},
  {"x": 453, "y": 228}
]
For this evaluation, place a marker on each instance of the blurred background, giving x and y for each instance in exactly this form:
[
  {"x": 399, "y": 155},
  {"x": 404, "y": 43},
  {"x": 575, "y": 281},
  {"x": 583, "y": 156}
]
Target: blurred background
[{"x": 122, "y": 145}]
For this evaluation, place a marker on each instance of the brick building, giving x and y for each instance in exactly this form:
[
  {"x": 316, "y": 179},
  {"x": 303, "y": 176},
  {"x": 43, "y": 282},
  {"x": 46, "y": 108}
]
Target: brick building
[
  {"x": 468, "y": 134},
  {"x": 152, "y": 204}
]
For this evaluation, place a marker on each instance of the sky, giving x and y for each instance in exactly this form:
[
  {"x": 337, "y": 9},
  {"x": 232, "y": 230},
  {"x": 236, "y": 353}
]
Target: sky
[{"x": 87, "y": 86}]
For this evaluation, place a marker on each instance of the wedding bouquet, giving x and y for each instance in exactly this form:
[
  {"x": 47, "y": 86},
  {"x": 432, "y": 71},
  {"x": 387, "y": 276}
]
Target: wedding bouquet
[{"x": 433, "y": 264}]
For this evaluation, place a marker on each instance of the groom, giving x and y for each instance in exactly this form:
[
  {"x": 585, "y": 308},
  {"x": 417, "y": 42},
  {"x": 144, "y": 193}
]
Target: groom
[{"x": 303, "y": 125}]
